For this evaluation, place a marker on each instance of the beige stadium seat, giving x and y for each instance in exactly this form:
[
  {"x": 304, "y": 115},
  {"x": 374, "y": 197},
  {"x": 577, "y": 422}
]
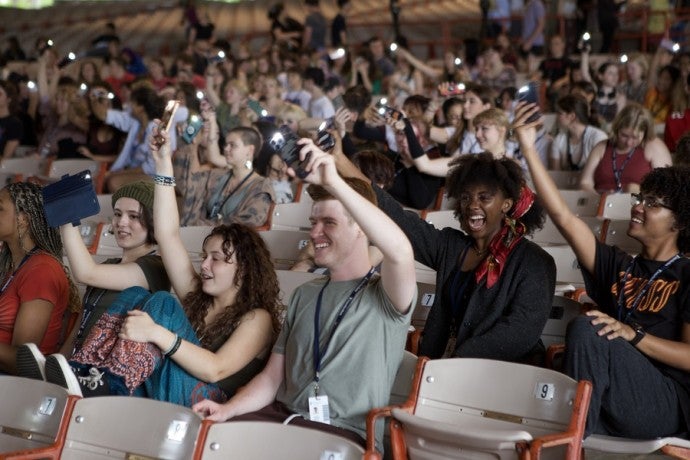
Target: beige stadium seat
[
  {"x": 617, "y": 235},
  {"x": 106, "y": 244},
  {"x": 442, "y": 219},
  {"x": 8, "y": 178},
  {"x": 59, "y": 168},
  {"x": 26, "y": 167},
  {"x": 615, "y": 206},
  {"x": 125, "y": 427},
  {"x": 289, "y": 281},
  {"x": 567, "y": 265},
  {"x": 291, "y": 216},
  {"x": 563, "y": 310},
  {"x": 193, "y": 238},
  {"x": 33, "y": 411},
  {"x": 581, "y": 202},
  {"x": 549, "y": 234},
  {"x": 424, "y": 274},
  {"x": 480, "y": 408},
  {"x": 266, "y": 440},
  {"x": 105, "y": 201},
  {"x": 565, "y": 179},
  {"x": 285, "y": 246},
  {"x": 402, "y": 387},
  {"x": 636, "y": 448}
]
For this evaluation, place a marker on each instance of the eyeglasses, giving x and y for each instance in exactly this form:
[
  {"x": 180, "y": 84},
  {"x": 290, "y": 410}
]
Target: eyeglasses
[{"x": 648, "y": 202}]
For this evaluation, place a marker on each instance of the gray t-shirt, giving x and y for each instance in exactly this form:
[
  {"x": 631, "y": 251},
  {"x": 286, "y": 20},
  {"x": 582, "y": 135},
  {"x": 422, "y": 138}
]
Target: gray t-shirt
[{"x": 363, "y": 356}]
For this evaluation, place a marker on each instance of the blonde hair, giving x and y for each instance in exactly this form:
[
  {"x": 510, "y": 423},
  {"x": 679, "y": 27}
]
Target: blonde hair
[
  {"x": 293, "y": 111},
  {"x": 641, "y": 60},
  {"x": 493, "y": 116},
  {"x": 636, "y": 117}
]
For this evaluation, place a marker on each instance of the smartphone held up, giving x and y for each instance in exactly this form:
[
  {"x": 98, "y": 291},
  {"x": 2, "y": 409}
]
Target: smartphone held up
[
  {"x": 529, "y": 93},
  {"x": 166, "y": 121}
]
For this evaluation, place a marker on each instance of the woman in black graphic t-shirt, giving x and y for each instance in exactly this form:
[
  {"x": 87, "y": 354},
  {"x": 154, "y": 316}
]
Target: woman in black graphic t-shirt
[{"x": 635, "y": 347}]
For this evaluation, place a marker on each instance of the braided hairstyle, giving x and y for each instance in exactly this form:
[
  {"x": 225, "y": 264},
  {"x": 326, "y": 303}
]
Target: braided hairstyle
[
  {"x": 28, "y": 199},
  {"x": 255, "y": 276}
]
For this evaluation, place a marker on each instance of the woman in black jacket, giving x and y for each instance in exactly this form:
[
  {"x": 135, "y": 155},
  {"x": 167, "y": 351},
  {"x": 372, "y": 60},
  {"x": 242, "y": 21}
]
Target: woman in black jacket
[{"x": 494, "y": 287}]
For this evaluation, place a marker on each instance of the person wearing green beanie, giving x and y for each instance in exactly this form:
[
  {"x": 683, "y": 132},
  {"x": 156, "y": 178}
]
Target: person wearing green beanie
[{"x": 132, "y": 227}]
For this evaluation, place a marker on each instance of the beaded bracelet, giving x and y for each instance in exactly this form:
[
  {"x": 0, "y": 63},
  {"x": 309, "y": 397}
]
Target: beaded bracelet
[
  {"x": 174, "y": 347},
  {"x": 164, "y": 180}
]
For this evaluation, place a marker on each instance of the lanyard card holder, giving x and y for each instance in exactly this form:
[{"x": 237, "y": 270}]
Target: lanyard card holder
[{"x": 70, "y": 199}]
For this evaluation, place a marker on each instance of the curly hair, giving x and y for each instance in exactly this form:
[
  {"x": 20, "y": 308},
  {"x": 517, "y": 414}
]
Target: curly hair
[
  {"x": 503, "y": 174},
  {"x": 672, "y": 185},
  {"x": 28, "y": 199},
  {"x": 255, "y": 277}
]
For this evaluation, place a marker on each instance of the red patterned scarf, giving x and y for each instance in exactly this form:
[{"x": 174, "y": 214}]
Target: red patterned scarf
[{"x": 504, "y": 241}]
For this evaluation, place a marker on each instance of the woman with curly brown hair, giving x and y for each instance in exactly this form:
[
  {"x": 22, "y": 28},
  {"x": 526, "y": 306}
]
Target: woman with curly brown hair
[{"x": 208, "y": 346}]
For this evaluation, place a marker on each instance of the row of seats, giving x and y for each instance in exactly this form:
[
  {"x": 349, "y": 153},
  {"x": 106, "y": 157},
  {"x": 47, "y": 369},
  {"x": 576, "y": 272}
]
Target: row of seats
[
  {"x": 50, "y": 170},
  {"x": 447, "y": 408},
  {"x": 476, "y": 408},
  {"x": 40, "y": 420}
]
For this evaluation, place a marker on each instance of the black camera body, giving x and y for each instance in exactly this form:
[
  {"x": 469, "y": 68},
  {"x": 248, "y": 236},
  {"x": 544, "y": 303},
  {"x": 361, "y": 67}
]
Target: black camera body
[{"x": 284, "y": 143}]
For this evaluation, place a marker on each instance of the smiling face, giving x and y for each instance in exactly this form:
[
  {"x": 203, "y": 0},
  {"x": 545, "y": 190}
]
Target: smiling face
[
  {"x": 473, "y": 106},
  {"x": 491, "y": 137},
  {"x": 128, "y": 223},
  {"x": 217, "y": 269},
  {"x": 651, "y": 221},
  {"x": 333, "y": 233},
  {"x": 481, "y": 211}
]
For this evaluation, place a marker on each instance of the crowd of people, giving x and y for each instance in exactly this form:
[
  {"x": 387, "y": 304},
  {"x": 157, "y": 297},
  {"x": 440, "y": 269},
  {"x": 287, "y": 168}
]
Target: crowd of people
[{"x": 374, "y": 130}]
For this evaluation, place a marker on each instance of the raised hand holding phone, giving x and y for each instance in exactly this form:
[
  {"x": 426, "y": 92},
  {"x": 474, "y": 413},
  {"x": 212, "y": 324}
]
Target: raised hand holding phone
[
  {"x": 165, "y": 122},
  {"x": 319, "y": 166},
  {"x": 158, "y": 143}
]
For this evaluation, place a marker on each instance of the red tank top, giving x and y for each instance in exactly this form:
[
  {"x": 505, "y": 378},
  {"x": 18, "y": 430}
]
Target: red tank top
[{"x": 615, "y": 172}]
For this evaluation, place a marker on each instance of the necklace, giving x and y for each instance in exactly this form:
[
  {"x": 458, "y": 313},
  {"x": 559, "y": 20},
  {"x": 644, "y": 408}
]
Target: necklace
[{"x": 480, "y": 253}]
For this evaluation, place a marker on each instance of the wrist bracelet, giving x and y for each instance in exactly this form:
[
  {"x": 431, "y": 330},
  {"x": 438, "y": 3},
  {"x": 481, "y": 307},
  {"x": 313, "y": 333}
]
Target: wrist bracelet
[
  {"x": 164, "y": 180},
  {"x": 175, "y": 346}
]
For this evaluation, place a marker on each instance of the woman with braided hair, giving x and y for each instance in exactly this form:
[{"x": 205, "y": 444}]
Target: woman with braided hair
[{"x": 36, "y": 289}]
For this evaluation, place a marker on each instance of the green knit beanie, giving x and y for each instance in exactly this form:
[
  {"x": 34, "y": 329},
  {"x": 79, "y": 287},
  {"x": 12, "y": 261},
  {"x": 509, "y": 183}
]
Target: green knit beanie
[{"x": 142, "y": 191}]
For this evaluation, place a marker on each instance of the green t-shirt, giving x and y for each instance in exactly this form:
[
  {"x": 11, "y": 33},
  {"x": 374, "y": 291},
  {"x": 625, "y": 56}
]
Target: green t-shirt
[{"x": 361, "y": 361}]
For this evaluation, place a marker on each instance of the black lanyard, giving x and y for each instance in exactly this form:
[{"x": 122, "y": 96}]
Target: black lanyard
[
  {"x": 573, "y": 166},
  {"x": 217, "y": 208},
  {"x": 24, "y": 259},
  {"x": 318, "y": 353},
  {"x": 641, "y": 294},
  {"x": 618, "y": 172}
]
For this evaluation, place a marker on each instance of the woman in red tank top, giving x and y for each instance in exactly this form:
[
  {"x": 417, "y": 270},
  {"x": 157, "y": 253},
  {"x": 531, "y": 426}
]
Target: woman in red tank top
[{"x": 618, "y": 165}]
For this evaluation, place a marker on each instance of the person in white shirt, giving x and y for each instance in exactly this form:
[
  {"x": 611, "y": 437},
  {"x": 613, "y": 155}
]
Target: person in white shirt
[
  {"x": 320, "y": 106},
  {"x": 576, "y": 138}
]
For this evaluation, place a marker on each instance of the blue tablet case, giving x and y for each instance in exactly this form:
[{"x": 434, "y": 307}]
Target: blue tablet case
[{"x": 70, "y": 199}]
